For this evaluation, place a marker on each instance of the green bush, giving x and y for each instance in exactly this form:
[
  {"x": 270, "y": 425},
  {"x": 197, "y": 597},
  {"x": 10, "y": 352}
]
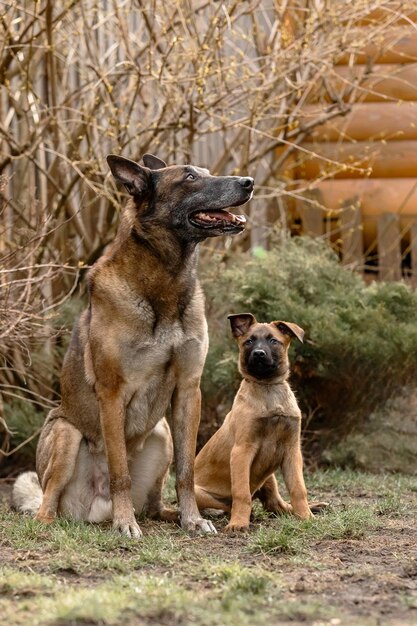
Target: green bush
[{"x": 360, "y": 344}]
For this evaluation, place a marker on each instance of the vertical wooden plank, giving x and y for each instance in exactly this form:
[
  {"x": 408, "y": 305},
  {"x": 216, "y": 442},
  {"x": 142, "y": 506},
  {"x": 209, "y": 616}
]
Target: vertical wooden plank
[
  {"x": 413, "y": 250},
  {"x": 352, "y": 233},
  {"x": 311, "y": 212},
  {"x": 389, "y": 250}
]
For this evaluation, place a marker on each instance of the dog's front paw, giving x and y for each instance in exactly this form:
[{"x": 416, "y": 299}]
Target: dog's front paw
[
  {"x": 303, "y": 514},
  {"x": 237, "y": 527},
  {"x": 129, "y": 528},
  {"x": 198, "y": 526}
]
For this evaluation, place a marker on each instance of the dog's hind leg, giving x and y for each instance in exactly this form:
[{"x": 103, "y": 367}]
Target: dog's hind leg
[
  {"x": 56, "y": 457},
  {"x": 270, "y": 497},
  {"x": 149, "y": 469},
  {"x": 273, "y": 502},
  {"x": 206, "y": 501}
]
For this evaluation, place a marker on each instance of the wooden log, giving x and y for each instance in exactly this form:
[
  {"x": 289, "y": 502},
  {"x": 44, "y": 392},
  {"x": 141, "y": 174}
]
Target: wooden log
[
  {"x": 394, "y": 9},
  {"x": 389, "y": 247},
  {"x": 377, "y": 196},
  {"x": 398, "y": 45},
  {"x": 385, "y": 195},
  {"x": 385, "y": 83},
  {"x": 379, "y": 159},
  {"x": 366, "y": 121}
]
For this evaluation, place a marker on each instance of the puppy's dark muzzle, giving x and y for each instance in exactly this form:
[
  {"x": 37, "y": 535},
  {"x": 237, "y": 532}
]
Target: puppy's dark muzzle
[
  {"x": 259, "y": 356},
  {"x": 261, "y": 365}
]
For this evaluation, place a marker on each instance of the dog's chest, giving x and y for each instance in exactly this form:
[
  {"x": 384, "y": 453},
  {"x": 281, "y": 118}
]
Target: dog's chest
[
  {"x": 149, "y": 348},
  {"x": 151, "y": 374},
  {"x": 274, "y": 434},
  {"x": 275, "y": 430},
  {"x": 153, "y": 368}
]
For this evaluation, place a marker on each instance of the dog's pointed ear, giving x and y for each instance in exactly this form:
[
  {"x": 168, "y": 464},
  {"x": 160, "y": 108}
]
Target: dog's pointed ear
[
  {"x": 153, "y": 162},
  {"x": 290, "y": 329},
  {"x": 240, "y": 323},
  {"x": 133, "y": 176}
]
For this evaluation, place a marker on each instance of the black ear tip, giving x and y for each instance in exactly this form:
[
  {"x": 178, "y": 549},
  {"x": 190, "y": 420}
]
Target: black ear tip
[
  {"x": 111, "y": 159},
  {"x": 153, "y": 162}
]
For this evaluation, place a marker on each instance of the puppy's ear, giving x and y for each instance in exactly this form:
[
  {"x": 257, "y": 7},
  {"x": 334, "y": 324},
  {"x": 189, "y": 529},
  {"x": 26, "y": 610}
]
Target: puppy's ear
[
  {"x": 133, "y": 176},
  {"x": 241, "y": 323},
  {"x": 153, "y": 162},
  {"x": 288, "y": 328}
]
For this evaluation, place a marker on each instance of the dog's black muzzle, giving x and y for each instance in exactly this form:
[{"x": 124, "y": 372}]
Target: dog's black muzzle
[{"x": 261, "y": 364}]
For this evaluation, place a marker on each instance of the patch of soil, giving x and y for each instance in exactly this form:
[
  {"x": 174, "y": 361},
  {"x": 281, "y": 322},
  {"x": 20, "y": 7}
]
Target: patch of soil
[{"x": 364, "y": 581}]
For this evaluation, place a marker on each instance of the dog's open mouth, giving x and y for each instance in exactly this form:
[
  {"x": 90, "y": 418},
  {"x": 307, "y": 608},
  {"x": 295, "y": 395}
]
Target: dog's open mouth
[{"x": 223, "y": 220}]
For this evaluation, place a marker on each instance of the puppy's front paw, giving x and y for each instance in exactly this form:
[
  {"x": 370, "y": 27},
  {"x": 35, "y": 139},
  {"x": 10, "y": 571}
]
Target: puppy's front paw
[
  {"x": 303, "y": 514},
  {"x": 129, "y": 528},
  {"x": 198, "y": 526}
]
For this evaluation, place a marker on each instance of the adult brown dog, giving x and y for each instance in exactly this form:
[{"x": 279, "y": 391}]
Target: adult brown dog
[
  {"x": 259, "y": 435},
  {"x": 138, "y": 348}
]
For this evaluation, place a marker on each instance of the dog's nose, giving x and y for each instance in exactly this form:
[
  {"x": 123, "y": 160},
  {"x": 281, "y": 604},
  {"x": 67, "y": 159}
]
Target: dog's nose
[
  {"x": 247, "y": 182},
  {"x": 259, "y": 354}
]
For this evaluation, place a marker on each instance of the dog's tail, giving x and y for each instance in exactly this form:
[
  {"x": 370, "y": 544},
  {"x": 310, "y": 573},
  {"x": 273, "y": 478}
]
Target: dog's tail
[{"x": 27, "y": 493}]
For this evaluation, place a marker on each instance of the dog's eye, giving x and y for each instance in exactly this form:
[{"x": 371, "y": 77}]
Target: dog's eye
[
  {"x": 248, "y": 342},
  {"x": 190, "y": 176},
  {"x": 273, "y": 341}
]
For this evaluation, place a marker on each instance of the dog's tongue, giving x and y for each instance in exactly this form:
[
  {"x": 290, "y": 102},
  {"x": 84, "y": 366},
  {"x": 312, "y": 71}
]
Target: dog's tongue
[{"x": 220, "y": 216}]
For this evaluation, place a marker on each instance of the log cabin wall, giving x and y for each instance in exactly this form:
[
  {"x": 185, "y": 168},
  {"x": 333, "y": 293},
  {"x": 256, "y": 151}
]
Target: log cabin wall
[{"x": 357, "y": 175}]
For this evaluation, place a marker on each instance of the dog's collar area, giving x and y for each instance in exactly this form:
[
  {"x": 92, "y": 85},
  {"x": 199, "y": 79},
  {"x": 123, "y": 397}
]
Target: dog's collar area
[{"x": 265, "y": 383}]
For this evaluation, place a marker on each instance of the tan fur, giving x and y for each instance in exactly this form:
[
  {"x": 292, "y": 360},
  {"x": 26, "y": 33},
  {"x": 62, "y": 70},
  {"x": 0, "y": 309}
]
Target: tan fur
[
  {"x": 138, "y": 348},
  {"x": 260, "y": 435}
]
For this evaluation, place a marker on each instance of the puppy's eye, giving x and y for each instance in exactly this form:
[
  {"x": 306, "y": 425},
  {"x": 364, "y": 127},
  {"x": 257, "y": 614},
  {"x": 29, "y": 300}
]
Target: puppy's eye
[
  {"x": 273, "y": 341},
  {"x": 248, "y": 342},
  {"x": 190, "y": 176}
]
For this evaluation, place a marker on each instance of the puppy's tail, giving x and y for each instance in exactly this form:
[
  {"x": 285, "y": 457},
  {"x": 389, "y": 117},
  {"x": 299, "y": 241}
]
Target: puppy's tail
[{"x": 27, "y": 493}]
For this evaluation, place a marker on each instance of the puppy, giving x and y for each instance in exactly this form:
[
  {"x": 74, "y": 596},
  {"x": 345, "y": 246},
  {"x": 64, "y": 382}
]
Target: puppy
[{"x": 260, "y": 434}]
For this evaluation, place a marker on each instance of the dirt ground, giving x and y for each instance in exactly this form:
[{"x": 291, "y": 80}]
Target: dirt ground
[{"x": 360, "y": 571}]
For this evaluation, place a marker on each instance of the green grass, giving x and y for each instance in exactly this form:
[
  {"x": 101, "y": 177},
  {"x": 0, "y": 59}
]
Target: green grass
[
  {"x": 352, "y": 482},
  {"x": 225, "y": 600},
  {"x": 82, "y": 547},
  {"x": 284, "y": 571},
  {"x": 297, "y": 537}
]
